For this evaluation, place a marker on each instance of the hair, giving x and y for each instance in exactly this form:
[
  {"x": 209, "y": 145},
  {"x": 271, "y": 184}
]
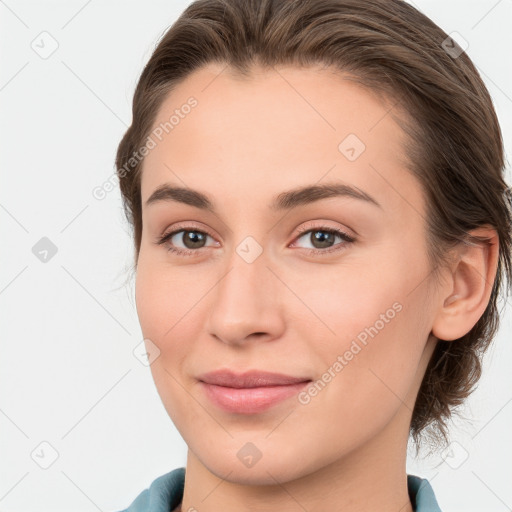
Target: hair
[{"x": 454, "y": 143}]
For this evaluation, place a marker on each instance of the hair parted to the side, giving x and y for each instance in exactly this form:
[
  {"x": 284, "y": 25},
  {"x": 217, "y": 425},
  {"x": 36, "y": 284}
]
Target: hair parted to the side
[{"x": 454, "y": 143}]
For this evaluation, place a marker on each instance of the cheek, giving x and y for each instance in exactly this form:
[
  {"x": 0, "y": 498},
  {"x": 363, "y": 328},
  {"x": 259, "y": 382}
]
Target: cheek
[
  {"x": 364, "y": 379},
  {"x": 162, "y": 307},
  {"x": 150, "y": 306},
  {"x": 373, "y": 328},
  {"x": 349, "y": 302},
  {"x": 164, "y": 299},
  {"x": 162, "y": 316}
]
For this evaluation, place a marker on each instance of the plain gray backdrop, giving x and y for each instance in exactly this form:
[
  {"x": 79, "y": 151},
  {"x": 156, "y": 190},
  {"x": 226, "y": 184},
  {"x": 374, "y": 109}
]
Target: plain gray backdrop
[{"x": 82, "y": 426}]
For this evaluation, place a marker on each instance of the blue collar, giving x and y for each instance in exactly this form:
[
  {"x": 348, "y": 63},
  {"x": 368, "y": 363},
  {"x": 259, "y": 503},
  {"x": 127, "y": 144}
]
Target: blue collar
[
  {"x": 421, "y": 494},
  {"x": 166, "y": 492}
]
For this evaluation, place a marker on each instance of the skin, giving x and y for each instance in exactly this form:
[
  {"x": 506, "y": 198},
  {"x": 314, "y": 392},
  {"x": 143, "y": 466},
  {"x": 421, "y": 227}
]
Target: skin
[{"x": 288, "y": 311}]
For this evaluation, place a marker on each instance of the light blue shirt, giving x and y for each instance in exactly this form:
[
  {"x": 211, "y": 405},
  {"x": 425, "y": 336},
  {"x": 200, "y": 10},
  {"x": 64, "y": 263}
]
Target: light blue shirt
[{"x": 166, "y": 493}]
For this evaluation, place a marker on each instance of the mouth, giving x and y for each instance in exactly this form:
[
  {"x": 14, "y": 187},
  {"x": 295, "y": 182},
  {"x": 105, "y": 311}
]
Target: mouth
[{"x": 251, "y": 392}]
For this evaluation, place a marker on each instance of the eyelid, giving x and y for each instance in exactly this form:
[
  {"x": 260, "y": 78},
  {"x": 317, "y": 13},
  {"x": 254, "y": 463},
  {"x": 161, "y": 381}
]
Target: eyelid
[
  {"x": 185, "y": 226},
  {"x": 323, "y": 225}
]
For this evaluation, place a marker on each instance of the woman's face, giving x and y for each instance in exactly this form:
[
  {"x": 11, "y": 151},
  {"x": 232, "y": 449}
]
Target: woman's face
[{"x": 266, "y": 282}]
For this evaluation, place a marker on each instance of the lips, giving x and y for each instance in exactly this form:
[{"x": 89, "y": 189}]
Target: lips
[
  {"x": 249, "y": 379},
  {"x": 251, "y": 392}
]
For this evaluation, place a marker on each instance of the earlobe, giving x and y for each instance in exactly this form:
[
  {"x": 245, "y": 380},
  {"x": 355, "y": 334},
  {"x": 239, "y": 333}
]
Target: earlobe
[{"x": 466, "y": 294}]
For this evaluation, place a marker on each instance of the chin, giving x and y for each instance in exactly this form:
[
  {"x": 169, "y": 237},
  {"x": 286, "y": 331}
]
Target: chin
[{"x": 276, "y": 464}]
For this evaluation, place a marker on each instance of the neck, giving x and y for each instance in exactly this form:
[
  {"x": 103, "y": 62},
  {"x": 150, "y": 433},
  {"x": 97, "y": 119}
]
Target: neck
[{"x": 371, "y": 477}]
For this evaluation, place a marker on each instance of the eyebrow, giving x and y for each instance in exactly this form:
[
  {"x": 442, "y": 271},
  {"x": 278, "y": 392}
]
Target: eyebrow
[{"x": 283, "y": 201}]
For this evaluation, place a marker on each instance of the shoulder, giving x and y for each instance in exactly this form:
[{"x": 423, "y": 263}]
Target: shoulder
[
  {"x": 421, "y": 494},
  {"x": 164, "y": 493}
]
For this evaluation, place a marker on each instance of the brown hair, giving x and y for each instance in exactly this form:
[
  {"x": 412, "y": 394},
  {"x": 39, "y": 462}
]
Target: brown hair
[{"x": 454, "y": 140}]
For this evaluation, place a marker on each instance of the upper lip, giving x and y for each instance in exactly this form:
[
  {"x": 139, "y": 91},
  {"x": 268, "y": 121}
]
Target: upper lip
[{"x": 249, "y": 379}]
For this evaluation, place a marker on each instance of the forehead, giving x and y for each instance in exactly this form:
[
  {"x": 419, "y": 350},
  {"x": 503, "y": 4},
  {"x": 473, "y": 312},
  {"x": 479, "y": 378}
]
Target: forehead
[{"x": 277, "y": 128}]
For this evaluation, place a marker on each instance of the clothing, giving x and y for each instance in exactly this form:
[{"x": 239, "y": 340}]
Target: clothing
[{"x": 166, "y": 492}]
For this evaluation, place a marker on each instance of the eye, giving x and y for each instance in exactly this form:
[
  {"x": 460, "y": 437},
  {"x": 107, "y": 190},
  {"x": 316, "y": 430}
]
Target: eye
[
  {"x": 192, "y": 240},
  {"x": 322, "y": 239}
]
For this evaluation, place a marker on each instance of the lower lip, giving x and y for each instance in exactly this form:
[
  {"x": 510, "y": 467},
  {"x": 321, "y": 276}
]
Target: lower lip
[{"x": 250, "y": 400}]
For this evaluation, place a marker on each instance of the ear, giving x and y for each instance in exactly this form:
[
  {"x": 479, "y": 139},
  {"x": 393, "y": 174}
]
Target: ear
[{"x": 465, "y": 296}]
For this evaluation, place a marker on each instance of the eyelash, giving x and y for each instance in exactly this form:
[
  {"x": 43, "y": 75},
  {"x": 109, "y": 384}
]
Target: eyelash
[{"x": 192, "y": 252}]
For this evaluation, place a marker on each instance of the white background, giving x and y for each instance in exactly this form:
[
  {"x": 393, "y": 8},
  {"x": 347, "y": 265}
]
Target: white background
[{"x": 67, "y": 372}]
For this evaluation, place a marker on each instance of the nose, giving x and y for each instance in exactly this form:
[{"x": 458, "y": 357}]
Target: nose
[{"x": 246, "y": 303}]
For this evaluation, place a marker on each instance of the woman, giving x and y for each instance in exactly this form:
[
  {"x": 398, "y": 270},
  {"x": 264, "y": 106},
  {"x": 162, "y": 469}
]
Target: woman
[{"x": 318, "y": 264}]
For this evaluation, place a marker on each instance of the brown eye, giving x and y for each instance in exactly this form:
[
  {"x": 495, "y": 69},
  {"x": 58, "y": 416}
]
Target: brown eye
[
  {"x": 191, "y": 239},
  {"x": 323, "y": 239},
  {"x": 184, "y": 241}
]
